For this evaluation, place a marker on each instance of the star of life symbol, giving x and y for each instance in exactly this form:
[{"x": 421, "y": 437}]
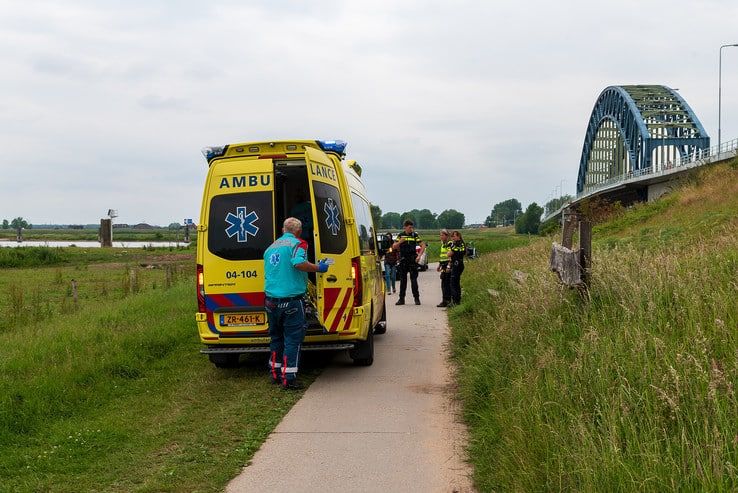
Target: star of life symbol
[
  {"x": 274, "y": 259},
  {"x": 241, "y": 224},
  {"x": 332, "y": 216}
]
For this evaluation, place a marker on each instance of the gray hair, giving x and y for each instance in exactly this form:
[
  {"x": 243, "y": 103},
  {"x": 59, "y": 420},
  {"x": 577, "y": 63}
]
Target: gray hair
[
  {"x": 292, "y": 225},
  {"x": 444, "y": 231}
]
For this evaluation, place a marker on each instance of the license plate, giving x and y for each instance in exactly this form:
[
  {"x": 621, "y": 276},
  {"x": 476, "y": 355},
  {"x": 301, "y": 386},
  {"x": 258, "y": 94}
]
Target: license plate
[{"x": 242, "y": 319}]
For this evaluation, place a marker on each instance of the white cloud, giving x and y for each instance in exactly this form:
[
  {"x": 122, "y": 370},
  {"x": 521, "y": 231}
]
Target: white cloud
[{"x": 446, "y": 105}]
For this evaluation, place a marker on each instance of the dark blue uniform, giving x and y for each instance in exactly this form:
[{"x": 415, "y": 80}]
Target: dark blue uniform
[
  {"x": 408, "y": 265},
  {"x": 458, "y": 250}
]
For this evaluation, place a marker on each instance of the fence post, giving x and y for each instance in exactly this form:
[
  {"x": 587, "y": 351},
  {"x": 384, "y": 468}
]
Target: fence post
[
  {"x": 585, "y": 250},
  {"x": 74, "y": 292},
  {"x": 569, "y": 219}
]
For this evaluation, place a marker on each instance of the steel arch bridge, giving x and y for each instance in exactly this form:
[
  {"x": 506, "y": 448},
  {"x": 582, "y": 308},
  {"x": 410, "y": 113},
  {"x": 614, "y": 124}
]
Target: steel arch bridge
[{"x": 637, "y": 129}]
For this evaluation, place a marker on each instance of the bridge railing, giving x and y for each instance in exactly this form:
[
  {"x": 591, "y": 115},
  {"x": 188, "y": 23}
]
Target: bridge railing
[{"x": 699, "y": 157}]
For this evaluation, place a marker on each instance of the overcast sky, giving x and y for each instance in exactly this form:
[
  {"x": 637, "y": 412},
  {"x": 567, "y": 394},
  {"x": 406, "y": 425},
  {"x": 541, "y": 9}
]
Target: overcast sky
[{"x": 446, "y": 105}]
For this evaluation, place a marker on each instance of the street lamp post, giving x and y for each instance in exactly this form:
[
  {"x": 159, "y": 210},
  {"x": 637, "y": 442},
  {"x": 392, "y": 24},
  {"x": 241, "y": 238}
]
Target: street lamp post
[{"x": 720, "y": 93}]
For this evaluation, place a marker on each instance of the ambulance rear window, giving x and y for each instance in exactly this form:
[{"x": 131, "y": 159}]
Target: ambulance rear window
[{"x": 240, "y": 225}]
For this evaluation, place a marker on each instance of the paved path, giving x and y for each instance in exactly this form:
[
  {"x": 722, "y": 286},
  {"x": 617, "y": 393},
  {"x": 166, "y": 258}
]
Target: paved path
[{"x": 388, "y": 427}]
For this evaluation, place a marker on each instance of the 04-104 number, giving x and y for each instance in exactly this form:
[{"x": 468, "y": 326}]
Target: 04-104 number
[{"x": 244, "y": 274}]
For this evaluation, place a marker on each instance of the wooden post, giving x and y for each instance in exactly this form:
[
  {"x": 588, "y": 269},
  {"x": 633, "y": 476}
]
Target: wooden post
[
  {"x": 573, "y": 265},
  {"x": 585, "y": 250},
  {"x": 106, "y": 232},
  {"x": 74, "y": 292},
  {"x": 570, "y": 220}
]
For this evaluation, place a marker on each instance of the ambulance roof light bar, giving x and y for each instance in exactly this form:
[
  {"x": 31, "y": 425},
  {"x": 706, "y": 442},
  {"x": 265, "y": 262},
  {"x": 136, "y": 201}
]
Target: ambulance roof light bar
[{"x": 337, "y": 146}]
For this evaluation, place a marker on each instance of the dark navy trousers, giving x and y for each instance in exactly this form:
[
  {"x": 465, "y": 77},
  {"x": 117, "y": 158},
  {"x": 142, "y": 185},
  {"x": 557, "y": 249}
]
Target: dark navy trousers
[{"x": 287, "y": 326}]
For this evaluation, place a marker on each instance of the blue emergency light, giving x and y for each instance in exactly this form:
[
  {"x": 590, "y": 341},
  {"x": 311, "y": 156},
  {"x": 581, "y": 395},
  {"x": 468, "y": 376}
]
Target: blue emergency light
[
  {"x": 337, "y": 146},
  {"x": 213, "y": 152}
]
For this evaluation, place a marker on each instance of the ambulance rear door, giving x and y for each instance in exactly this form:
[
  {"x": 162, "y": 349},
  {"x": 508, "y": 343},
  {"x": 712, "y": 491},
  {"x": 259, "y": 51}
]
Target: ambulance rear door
[
  {"x": 335, "y": 288},
  {"x": 240, "y": 226}
]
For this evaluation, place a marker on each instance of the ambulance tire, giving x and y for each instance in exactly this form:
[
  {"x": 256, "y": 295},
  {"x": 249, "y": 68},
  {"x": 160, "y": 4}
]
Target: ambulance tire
[
  {"x": 381, "y": 326},
  {"x": 363, "y": 351},
  {"x": 224, "y": 360}
]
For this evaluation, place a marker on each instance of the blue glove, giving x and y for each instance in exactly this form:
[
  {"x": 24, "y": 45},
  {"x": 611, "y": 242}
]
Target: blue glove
[{"x": 323, "y": 266}]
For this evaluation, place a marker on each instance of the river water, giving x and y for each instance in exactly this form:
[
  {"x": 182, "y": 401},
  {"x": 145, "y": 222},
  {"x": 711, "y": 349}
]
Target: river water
[{"x": 94, "y": 244}]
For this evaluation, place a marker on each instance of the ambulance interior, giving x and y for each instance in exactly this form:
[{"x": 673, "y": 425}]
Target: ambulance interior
[{"x": 292, "y": 198}]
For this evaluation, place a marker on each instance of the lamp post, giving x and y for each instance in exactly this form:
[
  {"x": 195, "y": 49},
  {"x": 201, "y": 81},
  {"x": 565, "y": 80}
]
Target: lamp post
[{"x": 720, "y": 92}]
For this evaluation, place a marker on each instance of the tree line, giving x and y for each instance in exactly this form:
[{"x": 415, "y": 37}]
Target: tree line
[
  {"x": 423, "y": 219},
  {"x": 506, "y": 213},
  {"x": 510, "y": 213},
  {"x": 16, "y": 223}
]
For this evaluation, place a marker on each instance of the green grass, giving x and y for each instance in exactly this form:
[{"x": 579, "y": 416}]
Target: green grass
[
  {"x": 31, "y": 256},
  {"x": 631, "y": 389},
  {"x": 35, "y": 294},
  {"x": 485, "y": 240},
  {"x": 115, "y": 396}
]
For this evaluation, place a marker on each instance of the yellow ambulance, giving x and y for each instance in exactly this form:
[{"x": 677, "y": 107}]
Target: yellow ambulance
[{"x": 250, "y": 189}]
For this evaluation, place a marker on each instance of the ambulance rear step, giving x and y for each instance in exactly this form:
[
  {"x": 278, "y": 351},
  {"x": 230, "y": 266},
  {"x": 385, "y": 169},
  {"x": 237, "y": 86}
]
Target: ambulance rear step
[{"x": 265, "y": 349}]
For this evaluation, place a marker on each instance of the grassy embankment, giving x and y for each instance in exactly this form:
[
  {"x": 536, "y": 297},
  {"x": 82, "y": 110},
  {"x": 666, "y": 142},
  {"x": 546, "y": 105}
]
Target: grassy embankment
[
  {"x": 110, "y": 393},
  {"x": 632, "y": 390}
]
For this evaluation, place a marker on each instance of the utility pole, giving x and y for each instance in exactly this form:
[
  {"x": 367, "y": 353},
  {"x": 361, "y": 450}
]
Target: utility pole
[{"x": 720, "y": 92}]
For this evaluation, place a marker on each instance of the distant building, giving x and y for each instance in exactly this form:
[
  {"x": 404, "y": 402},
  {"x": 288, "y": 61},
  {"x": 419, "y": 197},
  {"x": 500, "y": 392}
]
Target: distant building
[
  {"x": 121, "y": 226},
  {"x": 143, "y": 226},
  {"x": 74, "y": 226}
]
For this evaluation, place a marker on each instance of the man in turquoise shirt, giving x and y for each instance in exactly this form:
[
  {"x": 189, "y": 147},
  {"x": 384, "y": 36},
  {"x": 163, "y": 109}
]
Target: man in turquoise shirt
[{"x": 285, "y": 282}]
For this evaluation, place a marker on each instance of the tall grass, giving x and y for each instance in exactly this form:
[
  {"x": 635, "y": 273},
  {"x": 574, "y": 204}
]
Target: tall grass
[
  {"x": 116, "y": 397},
  {"x": 33, "y": 294},
  {"x": 632, "y": 389},
  {"x": 31, "y": 257}
]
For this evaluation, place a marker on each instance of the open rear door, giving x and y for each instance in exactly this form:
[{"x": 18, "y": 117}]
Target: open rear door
[{"x": 335, "y": 288}]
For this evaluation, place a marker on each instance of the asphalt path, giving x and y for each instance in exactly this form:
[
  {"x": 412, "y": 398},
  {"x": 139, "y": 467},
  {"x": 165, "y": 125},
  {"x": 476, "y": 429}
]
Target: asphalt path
[{"x": 392, "y": 426}]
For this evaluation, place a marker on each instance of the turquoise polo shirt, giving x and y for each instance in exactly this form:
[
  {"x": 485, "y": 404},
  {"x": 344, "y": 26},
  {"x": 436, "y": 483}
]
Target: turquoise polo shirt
[{"x": 281, "y": 279}]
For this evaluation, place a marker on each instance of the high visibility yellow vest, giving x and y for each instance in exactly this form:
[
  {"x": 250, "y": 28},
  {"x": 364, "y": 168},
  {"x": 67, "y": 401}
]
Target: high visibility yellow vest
[{"x": 445, "y": 247}]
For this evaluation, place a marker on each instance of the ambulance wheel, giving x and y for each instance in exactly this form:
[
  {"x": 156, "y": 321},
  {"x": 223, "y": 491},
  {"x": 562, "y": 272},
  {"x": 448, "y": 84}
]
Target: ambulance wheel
[
  {"x": 363, "y": 352},
  {"x": 224, "y": 360},
  {"x": 381, "y": 326}
]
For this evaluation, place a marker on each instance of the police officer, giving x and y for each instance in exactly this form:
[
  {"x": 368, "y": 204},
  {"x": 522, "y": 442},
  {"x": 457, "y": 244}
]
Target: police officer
[
  {"x": 444, "y": 269},
  {"x": 406, "y": 243},
  {"x": 456, "y": 263},
  {"x": 285, "y": 282}
]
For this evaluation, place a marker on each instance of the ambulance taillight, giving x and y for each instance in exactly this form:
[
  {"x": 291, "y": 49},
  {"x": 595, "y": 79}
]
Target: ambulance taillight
[
  {"x": 356, "y": 276},
  {"x": 200, "y": 290}
]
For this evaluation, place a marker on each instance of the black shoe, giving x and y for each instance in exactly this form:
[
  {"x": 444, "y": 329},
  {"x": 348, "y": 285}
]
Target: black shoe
[
  {"x": 442, "y": 304},
  {"x": 275, "y": 381},
  {"x": 417, "y": 301},
  {"x": 292, "y": 385},
  {"x": 400, "y": 302}
]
